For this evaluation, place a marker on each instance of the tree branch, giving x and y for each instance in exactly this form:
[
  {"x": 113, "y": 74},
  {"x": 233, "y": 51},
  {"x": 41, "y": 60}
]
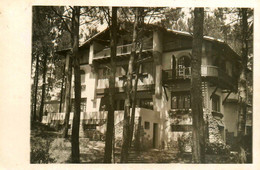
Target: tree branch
[
  {"x": 106, "y": 15},
  {"x": 87, "y": 22},
  {"x": 89, "y": 10},
  {"x": 71, "y": 8},
  {"x": 150, "y": 17},
  {"x": 125, "y": 15},
  {"x": 61, "y": 17}
]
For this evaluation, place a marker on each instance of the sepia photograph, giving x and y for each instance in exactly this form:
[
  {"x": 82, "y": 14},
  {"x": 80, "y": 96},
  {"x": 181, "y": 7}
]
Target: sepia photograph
[{"x": 141, "y": 85}]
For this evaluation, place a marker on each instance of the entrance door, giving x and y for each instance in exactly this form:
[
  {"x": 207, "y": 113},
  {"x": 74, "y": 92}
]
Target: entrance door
[{"x": 155, "y": 135}]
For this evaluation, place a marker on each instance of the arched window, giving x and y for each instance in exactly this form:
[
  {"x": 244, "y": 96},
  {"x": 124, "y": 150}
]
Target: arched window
[
  {"x": 183, "y": 68},
  {"x": 82, "y": 76}
]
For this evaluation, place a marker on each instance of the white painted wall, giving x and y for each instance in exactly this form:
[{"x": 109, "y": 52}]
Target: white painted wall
[
  {"x": 231, "y": 117},
  {"x": 90, "y": 90}
]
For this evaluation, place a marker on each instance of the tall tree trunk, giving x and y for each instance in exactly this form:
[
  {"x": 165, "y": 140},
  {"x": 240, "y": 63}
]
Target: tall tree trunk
[
  {"x": 243, "y": 79},
  {"x": 67, "y": 103},
  {"x": 243, "y": 86},
  {"x": 132, "y": 121},
  {"x": 76, "y": 118},
  {"x": 198, "y": 146},
  {"x": 61, "y": 89},
  {"x": 49, "y": 77},
  {"x": 125, "y": 146},
  {"x": 43, "y": 86},
  {"x": 35, "y": 88},
  {"x": 110, "y": 116}
]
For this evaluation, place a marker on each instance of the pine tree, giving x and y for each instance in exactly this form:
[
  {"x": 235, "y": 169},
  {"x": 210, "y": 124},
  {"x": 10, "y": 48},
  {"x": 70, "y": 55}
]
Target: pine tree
[
  {"x": 198, "y": 147},
  {"x": 111, "y": 109}
]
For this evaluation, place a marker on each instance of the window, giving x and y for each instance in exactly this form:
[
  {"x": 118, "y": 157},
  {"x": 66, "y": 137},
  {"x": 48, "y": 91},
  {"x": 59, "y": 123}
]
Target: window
[
  {"x": 83, "y": 105},
  {"x": 119, "y": 104},
  {"x": 183, "y": 66},
  {"x": 100, "y": 73},
  {"x": 83, "y": 87},
  {"x": 120, "y": 71},
  {"x": 125, "y": 42},
  {"x": 174, "y": 102},
  {"x": 147, "y": 125},
  {"x": 173, "y": 67},
  {"x": 180, "y": 100},
  {"x": 146, "y": 103},
  {"x": 90, "y": 126},
  {"x": 147, "y": 68},
  {"x": 82, "y": 76},
  {"x": 216, "y": 103},
  {"x": 103, "y": 73}
]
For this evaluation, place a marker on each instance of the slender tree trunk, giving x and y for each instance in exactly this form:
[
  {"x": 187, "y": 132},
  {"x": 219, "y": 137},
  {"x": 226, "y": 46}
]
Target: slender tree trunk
[
  {"x": 132, "y": 121},
  {"x": 198, "y": 146},
  {"x": 110, "y": 116},
  {"x": 126, "y": 138},
  {"x": 35, "y": 88},
  {"x": 242, "y": 86},
  {"x": 243, "y": 79},
  {"x": 76, "y": 118},
  {"x": 61, "y": 89},
  {"x": 43, "y": 87},
  {"x": 138, "y": 135},
  {"x": 68, "y": 72},
  {"x": 48, "y": 88}
]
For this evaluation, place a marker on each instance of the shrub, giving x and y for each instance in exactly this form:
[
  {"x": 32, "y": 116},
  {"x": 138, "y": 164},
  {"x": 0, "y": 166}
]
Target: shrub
[
  {"x": 60, "y": 149},
  {"x": 40, "y": 151},
  {"x": 217, "y": 149},
  {"x": 184, "y": 142}
]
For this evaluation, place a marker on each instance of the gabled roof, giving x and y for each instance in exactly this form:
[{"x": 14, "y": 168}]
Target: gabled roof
[
  {"x": 93, "y": 37},
  {"x": 182, "y": 33},
  {"x": 85, "y": 44}
]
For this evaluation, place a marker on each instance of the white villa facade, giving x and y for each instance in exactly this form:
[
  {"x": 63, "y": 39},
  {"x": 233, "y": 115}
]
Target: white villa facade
[{"x": 163, "y": 97}]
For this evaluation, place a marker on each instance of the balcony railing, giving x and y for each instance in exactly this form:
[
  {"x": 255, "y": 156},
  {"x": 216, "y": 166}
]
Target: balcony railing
[
  {"x": 185, "y": 72},
  {"x": 122, "y": 50},
  {"x": 206, "y": 71},
  {"x": 95, "y": 117}
]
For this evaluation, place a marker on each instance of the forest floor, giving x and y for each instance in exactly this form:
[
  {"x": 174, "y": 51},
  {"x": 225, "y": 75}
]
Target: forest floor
[{"x": 47, "y": 146}]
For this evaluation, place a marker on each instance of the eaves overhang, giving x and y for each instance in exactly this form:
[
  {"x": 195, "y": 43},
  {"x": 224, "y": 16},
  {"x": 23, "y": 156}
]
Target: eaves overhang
[{"x": 216, "y": 41}]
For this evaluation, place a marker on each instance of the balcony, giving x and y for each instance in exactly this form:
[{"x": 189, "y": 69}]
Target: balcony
[
  {"x": 185, "y": 72},
  {"x": 96, "y": 117},
  {"x": 122, "y": 50},
  {"x": 212, "y": 72}
]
